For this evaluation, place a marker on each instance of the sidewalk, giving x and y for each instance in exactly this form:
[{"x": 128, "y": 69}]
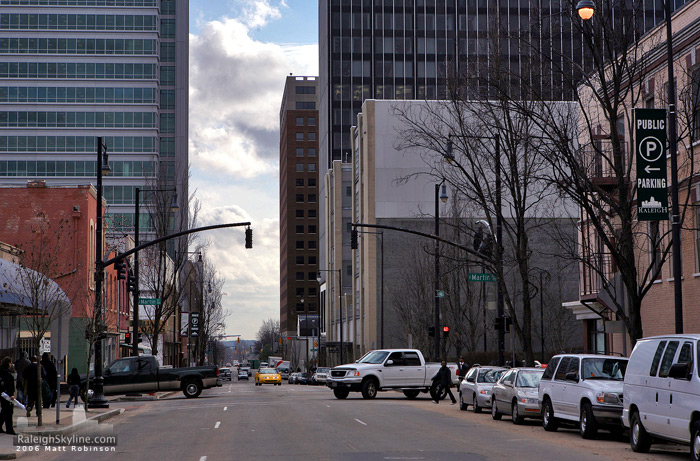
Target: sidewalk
[{"x": 70, "y": 420}]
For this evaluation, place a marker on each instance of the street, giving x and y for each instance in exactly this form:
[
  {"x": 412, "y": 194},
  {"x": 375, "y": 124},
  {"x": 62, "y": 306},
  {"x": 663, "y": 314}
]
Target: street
[{"x": 295, "y": 422}]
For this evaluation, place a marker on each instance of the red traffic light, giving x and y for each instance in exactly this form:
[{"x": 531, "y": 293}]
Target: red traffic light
[
  {"x": 445, "y": 329},
  {"x": 288, "y": 338},
  {"x": 127, "y": 336}
]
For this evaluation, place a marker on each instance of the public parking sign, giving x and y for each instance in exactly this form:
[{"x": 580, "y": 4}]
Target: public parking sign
[
  {"x": 650, "y": 147},
  {"x": 194, "y": 324}
]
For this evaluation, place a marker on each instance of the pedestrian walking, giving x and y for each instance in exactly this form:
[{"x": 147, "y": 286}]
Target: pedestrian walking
[
  {"x": 7, "y": 385},
  {"x": 462, "y": 369},
  {"x": 73, "y": 387},
  {"x": 20, "y": 365},
  {"x": 32, "y": 387},
  {"x": 444, "y": 379},
  {"x": 51, "y": 379}
]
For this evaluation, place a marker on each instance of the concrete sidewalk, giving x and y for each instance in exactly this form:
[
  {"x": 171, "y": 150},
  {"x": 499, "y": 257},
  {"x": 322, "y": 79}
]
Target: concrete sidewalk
[{"x": 70, "y": 420}]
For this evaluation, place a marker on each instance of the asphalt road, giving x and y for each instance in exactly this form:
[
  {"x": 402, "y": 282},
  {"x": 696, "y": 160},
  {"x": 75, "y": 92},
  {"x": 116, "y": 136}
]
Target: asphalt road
[{"x": 292, "y": 422}]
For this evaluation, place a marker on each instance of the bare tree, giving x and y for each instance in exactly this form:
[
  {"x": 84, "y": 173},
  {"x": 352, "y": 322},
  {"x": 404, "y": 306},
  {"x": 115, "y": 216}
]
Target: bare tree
[
  {"x": 268, "y": 336},
  {"x": 213, "y": 315}
]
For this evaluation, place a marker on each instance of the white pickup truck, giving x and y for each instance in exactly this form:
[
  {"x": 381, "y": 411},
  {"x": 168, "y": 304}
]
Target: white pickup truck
[{"x": 386, "y": 369}]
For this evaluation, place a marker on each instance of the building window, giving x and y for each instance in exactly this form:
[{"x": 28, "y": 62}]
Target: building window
[
  {"x": 311, "y": 182},
  {"x": 311, "y": 167},
  {"x": 300, "y": 307},
  {"x": 300, "y": 167},
  {"x": 301, "y": 105},
  {"x": 312, "y": 276},
  {"x": 300, "y": 182},
  {"x": 299, "y": 260},
  {"x": 311, "y": 152},
  {"x": 312, "y": 214},
  {"x": 299, "y": 229},
  {"x": 305, "y": 90},
  {"x": 312, "y": 244},
  {"x": 300, "y": 213},
  {"x": 300, "y": 276},
  {"x": 312, "y": 198},
  {"x": 348, "y": 227},
  {"x": 300, "y": 136},
  {"x": 312, "y": 121},
  {"x": 312, "y": 260},
  {"x": 312, "y": 291},
  {"x": 311, "y": 136},
  {"x": 312, "y": 229},
  {"x": 348, "y": 191},
  {"x": 300, "y": 198},
  {"x": 299, "y": 151},
  {"x": 300, "y": 121},
  {"x": 300, "y": 245},
  {"x": 655, "y": 249},
  {"x": 300, "y": 291}
]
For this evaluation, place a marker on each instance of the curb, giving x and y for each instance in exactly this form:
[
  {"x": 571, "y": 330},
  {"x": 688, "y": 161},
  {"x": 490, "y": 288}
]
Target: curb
[
  {"x": 144, "y": 398},
  {"x": 64, "y": 430}
]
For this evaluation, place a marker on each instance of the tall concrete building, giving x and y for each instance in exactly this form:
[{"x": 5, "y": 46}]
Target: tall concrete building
[
  {"x": 299, "y": 296},
  {"x": 71, "y": 71}
]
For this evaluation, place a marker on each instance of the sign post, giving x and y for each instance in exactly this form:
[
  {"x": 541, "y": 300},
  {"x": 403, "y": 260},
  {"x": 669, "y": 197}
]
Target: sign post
[{"x": 650, "y": 149}]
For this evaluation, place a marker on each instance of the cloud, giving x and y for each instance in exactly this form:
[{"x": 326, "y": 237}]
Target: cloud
[{"x": 236, "y": 87}]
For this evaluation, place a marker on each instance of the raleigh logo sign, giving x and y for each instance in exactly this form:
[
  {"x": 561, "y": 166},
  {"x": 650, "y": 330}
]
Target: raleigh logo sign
[{"x": 650, "y": 147}]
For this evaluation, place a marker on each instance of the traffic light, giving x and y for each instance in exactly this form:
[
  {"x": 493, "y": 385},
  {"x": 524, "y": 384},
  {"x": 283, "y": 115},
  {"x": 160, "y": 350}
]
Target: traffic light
[
  {"x": 445, "y": 331},
  {"x": 499, "y": 324},
  {"x": 431, "y": 332},
  {"x": 127, "y": 337},
  {"x": 131, "y": 283},
  {"x": 353, "y": 239},
  {"x": 503, "y": 323},
  {"x": 507, "y": 324},
  {"x": 249, "y": 238},
  {"x": 120, "y": 266}
]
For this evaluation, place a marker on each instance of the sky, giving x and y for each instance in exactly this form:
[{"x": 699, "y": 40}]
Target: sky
[{"x": 240, "y": 53}]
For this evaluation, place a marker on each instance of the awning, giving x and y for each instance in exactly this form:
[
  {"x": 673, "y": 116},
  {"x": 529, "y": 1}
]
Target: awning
[
  {"x": 586, "y": 311},
  {"x": 15, "y": 283}
]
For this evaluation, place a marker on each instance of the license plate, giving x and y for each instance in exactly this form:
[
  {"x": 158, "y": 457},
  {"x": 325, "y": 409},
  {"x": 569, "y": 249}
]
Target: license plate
[{"x": 332, "y": 384}]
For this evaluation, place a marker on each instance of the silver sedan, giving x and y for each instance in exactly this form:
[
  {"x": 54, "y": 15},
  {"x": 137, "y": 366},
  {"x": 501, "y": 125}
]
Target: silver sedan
[
  {"x": 515, "y": 394},
  {"x": 475, "y": 388}
]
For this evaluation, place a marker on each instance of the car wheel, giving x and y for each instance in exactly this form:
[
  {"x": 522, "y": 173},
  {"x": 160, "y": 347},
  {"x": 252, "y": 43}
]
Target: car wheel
[
  {"x": 549, "y": 422},
  {"x": 340, "y": 393},
  {"x": 517, "y": 419},
  {"x": 475, "y": 404},
  {"x": 192, "y": 389},
  {"x": 640, "y": 441},
  {"x": 411, "y": 393},
  {"x": 588, "y": 427},
  {"x": 695, "y": 441},
  {"x": 494, "y": 411},
  {"x": 369, "y": 389},
  {"x": 462, "y": 406}
]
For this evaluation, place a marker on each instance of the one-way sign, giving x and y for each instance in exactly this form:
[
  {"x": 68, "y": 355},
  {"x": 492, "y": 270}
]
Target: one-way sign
[{"x": 650, "y": 148}]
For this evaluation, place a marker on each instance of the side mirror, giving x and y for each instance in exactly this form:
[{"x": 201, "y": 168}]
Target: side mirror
[
  {"x": 679, "y": 370},
  {"x": 107, "y": 372},
  {"x": 572, "y": 377},
  {"x": 470, "y": 380},
  {"x": 389, "y": 363}
]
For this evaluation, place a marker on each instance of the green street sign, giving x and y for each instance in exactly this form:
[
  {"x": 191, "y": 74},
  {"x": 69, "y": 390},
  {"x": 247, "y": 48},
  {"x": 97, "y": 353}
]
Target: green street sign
[
  {"x": 481, "y": 277},
  {"x": 149, "y": 301},
  {"x": 440, "y": 294},
  {"x": 650, "y": 148}
]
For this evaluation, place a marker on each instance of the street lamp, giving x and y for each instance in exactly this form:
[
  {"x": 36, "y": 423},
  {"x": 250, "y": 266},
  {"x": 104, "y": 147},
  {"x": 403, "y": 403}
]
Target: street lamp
[
  {"x": 354, "y": 246},
  {"x": 340, "y": 305},
  {"x": 440, "y": 196},
  {"x": 173, "y": 207},
  {"x": 449, "y": 156},
  {"x": 98, "y": 399},
  {"x": 673, "y": 148}
]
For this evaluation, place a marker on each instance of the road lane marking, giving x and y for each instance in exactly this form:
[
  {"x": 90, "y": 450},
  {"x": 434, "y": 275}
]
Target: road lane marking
[
  {"x": 364, "y": 424},
  {"x": 203, "y": 458},
  {"x": 225, "y": 408},
  {"x": 327, "y": 405},
  {"x": 218, "y": 423}
]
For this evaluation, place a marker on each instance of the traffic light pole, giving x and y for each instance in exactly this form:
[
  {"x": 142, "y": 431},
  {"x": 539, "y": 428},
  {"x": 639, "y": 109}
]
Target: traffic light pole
[{"x": 437, "y": 272}]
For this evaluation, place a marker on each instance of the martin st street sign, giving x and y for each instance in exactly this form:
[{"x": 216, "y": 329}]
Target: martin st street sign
[{"x": 650, "y": 148}]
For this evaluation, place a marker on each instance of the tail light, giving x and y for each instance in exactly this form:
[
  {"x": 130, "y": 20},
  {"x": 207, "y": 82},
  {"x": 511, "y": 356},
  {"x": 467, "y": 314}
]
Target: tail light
[{"x": 217, "y": 371}]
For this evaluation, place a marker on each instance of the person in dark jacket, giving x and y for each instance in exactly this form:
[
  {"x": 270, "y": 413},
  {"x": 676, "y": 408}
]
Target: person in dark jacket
[
  {"x": 8, "y": 387},
  {"x": 31, "y": 385},
  {"x": 73, "y": 387},
  {"x": 444, "y": 378},
  {"x": 51, "y": 378},
  {"x": 462, "y": 369},
  {"x": 20, "y": 365}
]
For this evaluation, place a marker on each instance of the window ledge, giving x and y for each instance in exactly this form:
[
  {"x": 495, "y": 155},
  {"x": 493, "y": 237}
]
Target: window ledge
[
  {"x": 697, "y": 274},
  {"x": 671, "y": 279},
  {"x": 657, "y": 281}
]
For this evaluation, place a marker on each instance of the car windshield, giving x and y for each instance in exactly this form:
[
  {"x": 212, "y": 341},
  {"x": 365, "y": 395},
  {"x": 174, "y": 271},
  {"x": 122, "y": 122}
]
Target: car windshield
[
  {"x": 529, "y": 378},
  {"x": 267, "y": 371},
  {"x": 374, "y": 357},
  {"x": 489, "y": 376},
  {"x": 322, "y": 370},
  {"x": 602, "y": 368}
]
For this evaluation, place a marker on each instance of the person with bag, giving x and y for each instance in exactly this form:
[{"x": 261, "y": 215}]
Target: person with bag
[
  {"x": 444, "y": 379},
  {"x": 73, "y": 387},
  {"x": 8, "y": 387},
  {"x": 51, "y": 380}
]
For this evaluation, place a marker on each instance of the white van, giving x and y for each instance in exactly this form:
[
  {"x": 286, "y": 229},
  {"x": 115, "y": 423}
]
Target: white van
[{"x": 662, "y": 392}]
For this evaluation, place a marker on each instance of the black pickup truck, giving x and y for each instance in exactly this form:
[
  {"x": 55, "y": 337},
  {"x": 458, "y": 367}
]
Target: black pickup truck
[{"x": 143, "y": 375}]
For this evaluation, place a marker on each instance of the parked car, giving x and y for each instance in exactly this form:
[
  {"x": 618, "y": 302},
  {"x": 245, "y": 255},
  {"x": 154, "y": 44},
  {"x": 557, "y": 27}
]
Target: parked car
[
  {"x": 225, "y": 374},
  {"x": 242, "y": 374},
  {"x": 293, "y": 378},
  {"x": 662, "y": 392},
  {"x": 516, "y": 394},
  {"x": 321, "y": 375},
  {"x": 475, "y": 388},
  {"x": 583, "y": 388},
  {"x": 267, "y": 376},
  {"x": 303, "y": 378},
  {"x": 284, "y": 372}
]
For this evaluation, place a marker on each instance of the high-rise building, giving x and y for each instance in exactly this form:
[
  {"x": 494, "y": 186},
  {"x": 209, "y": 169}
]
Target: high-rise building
[
  {"x": 299, "y": 296},
  {"x": 71, "y": 71}
]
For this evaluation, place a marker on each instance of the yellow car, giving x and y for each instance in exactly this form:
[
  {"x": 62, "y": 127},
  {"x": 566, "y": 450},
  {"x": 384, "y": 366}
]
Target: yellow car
[{"x": 267, "y": 376}]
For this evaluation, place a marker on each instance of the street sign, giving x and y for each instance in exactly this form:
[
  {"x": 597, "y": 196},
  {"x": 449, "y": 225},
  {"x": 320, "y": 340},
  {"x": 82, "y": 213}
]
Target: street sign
[
  {"x": 149, "y": 301},
  {"x": 194, "y": 324},
  {"x": 440, "y": 294},
  {"x": 481, "y": 277},
  {"x": 650, "y": 148},
  {"x": 45, "y": 345}
]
